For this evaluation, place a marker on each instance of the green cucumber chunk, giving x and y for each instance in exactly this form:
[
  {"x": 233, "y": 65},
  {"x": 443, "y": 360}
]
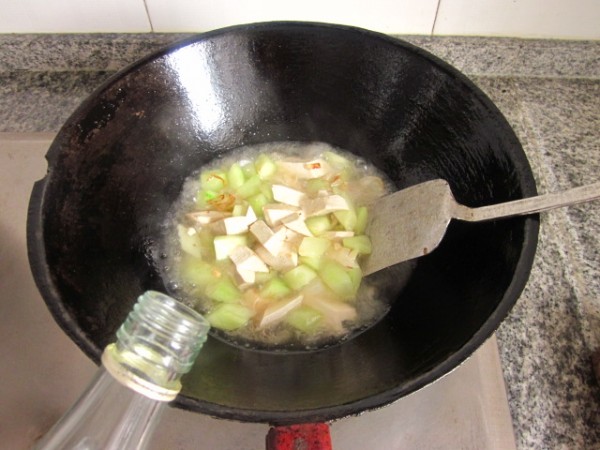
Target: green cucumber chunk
[
  {"x": 257, "y": 202},
  {"x": 275, "y": 288},
  {"x": 267, "y": 190},
  {"x": 265, "y": 167},
  {"x": 189, "y": 243},
  {"x": 235, "y": 176},
  {"x": 361, "y": 244},
  {"x": 203, "y": 197},
  {"x": 362, "y": 218},
  {"x": 319, "y": 224},
  {"x": 314, "y": 185},
  {"x": 336, "y": 277},
  {"x": 224, "y": 290},
  {"x": 337, "y": 160},
  {"x": 229, "y": 316},
  {"x": 250, "y": 187},
  {"x": 249, "y": 170},
  {"x": 196, "y": 271},
  {"x": 305, "y": 319},
  {"x": 299, "y": 276},
  {"x": 213, "y": 180},
  {"x": 313, "y": 246},
  {"x": 314, "y": 262},
  {"x": 356, "y": 277},
  {"x": 347, "y": 218},
  {"x": 264, "y": 277}
]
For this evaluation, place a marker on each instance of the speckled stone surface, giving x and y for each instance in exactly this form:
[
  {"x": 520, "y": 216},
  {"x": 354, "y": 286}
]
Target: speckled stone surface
[
  {"x": 503, "y": 57},
  {"x": 550, "y": 93},
  {"x": 42, "y": 101},
  {"x": 75, "y": 52},
  {"x": 473, "y": 55},
  {"x": 547, "y": 340}
]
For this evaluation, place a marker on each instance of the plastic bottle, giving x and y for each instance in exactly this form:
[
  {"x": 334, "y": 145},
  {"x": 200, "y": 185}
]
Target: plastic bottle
[{"x": 140, "y": 374}]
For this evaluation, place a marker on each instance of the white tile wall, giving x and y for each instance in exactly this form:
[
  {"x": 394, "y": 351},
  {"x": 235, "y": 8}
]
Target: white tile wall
[
  {"x": 569, "y": 19},
  {"x": 578, "y": 19},
  {"x": 73, "y": 16},
  {"x": 388, "y": 16}
]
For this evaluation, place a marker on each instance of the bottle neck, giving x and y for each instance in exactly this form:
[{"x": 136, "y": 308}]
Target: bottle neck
[
  {"x": 118, "y": 364},
  {"x": 155, "y": 346},
  {"x": 140, "y": 372}
]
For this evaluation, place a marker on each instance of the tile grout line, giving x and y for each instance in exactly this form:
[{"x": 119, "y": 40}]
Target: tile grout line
[
  {"x": 435, "y": 17},
  {"x": 148, "y": 15}
]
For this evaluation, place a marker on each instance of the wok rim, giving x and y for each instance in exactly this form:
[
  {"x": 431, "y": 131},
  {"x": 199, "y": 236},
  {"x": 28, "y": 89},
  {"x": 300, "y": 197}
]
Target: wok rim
[{"x": 65, "y": 319}]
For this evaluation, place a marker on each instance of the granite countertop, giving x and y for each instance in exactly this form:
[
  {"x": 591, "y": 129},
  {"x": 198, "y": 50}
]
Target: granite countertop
[{"x": 550, "y": 93}]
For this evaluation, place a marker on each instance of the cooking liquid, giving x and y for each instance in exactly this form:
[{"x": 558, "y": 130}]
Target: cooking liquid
[{"x": 368, "y": 303}]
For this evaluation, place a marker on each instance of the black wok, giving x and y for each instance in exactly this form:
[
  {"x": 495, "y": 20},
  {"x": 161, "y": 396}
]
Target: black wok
[{"x": 96, "y": 219}]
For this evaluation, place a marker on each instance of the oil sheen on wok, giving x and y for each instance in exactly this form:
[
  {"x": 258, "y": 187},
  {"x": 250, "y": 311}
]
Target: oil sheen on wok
[{"x": 267, "y": 243}]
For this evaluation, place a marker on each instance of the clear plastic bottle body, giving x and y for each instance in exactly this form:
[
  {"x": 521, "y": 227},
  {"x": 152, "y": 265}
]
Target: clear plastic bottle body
[
  {"x": 141, "y": 372},
  {"x": 108, "y": 416}
]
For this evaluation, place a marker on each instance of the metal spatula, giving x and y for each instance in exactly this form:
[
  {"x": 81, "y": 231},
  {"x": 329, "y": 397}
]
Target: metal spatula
[{"x": 412, "y": 222}]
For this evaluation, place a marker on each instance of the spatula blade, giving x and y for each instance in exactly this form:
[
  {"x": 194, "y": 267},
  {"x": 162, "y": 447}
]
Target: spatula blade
[{"x": 408, "y": 224}]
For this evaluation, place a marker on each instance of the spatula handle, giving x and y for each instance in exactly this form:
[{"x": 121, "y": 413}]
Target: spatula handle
[{"x": 530, "y": 205}]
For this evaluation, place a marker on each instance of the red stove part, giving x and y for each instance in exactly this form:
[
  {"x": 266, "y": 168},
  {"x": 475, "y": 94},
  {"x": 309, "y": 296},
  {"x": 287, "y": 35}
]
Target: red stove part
[{"x": 307, "y": 436}]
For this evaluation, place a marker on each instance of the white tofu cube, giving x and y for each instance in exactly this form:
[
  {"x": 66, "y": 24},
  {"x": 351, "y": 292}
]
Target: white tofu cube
[
  {"x": 233, "y": 225},
  {"x": 248, "y": 276},
  {"x": 270, "y": 240},
  {"x": 286, "y": 259},
  {"x": 292, "y": 239},
  {"x": 261, "y": 231},
  {"x": 275, "y": 243},
  {"x": 246, "y": 260},
  {"x": 224, "y": 245},
  {"x": 295, "y": 222},
  {"x": 287, "y": 195},
  {"x": 277, "y": 311},
  {"x": 251, "y": 215},
  {"x": 276, "y": 212},
  {"x": 334, "y": 312},
  {"x": 324, "y": 205}
]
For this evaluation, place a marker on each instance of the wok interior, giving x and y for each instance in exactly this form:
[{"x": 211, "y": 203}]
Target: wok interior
[{"x": 120, "y": 161}]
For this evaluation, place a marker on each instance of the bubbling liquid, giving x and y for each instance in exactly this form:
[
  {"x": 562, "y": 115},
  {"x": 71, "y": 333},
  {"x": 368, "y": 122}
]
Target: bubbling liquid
[{"x": 362, "y": 184}]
